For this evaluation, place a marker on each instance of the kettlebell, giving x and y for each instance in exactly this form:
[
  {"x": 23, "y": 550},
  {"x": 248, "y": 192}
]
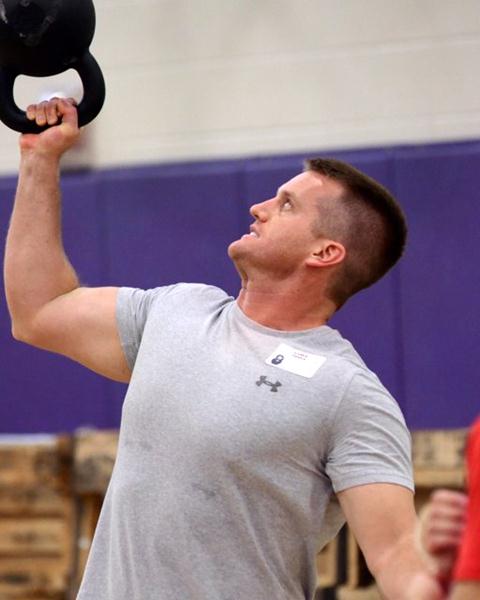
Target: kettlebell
[{"x": 41, "y": 38}]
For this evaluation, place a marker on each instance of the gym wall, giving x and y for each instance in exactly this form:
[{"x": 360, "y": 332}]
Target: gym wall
[
  {"x": 418, "y": 328},
  {"x": 246, "y": 90},
  {"x": 188, "y": 79}
]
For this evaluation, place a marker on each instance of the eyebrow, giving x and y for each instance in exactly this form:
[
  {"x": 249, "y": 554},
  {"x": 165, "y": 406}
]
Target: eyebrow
[{"x": 286, "y": 194}]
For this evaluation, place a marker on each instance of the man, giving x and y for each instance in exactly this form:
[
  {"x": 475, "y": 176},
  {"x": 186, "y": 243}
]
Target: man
[
  {"x": 450, "y": 532},
  {"x": 250, "y": 429}
]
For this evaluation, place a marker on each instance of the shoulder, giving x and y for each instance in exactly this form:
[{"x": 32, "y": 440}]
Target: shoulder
[
  {"x": 136, "y": 307},
  {"x": 339, "y": 350},
  {"x": 198, "y": 296},
  {"x": 369, "y": 441},
  {"x": 365, "y": 388},
  {"x": 178, "y": 292},
  {"x": 364, "y": 399},
  {"x": 359, "y": 380},
  {"x": 348, "y": 367},
  {"x": 197, "y": 290},
  {"x": 201, "y": 290}
]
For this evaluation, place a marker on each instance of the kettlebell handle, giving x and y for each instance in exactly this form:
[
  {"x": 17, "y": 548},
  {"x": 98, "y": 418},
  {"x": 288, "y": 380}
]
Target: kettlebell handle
[{"x": 89, "y": 107}]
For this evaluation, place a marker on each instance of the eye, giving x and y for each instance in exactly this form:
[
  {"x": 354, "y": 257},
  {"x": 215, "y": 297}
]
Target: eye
[{"x": 287, "y": 205}]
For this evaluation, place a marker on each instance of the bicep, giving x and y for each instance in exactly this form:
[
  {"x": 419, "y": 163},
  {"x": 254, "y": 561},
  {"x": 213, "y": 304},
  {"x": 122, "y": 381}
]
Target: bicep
[
  {"x": 380, "y": 515},
  {"x": 82, "y": 326}
]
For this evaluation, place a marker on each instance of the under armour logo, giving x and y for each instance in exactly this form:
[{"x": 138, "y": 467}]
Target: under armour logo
[{"x": 273, "y": 386}]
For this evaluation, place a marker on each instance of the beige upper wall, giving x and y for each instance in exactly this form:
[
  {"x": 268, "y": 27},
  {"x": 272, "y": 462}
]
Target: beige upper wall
[{"x": 194, "y": 79}]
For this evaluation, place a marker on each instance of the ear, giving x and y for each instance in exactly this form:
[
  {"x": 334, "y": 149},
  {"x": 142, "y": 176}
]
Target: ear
[{"x": 327, "y": 253}]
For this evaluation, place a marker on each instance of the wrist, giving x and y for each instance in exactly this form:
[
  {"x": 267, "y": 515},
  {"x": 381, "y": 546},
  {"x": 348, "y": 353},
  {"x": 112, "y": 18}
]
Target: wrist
[
  {"x": 32, "y": 152},
  {"x": 33, "y": 161}
]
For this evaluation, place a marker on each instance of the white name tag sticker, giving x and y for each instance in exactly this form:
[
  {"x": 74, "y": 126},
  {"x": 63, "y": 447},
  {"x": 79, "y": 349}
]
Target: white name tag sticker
[{"x": 295, "y": 361}]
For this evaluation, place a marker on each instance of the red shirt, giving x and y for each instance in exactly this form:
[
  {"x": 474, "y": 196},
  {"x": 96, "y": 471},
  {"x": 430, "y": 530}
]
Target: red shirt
[{"x": 467, "y": 567}]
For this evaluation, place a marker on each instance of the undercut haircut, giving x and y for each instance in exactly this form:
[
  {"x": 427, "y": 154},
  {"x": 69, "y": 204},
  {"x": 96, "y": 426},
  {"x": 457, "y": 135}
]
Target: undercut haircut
[{"x": 367, "y": 220}]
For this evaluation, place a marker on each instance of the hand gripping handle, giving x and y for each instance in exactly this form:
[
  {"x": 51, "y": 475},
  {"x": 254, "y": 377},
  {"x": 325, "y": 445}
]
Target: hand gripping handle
[{"x": 91, "y": 104}]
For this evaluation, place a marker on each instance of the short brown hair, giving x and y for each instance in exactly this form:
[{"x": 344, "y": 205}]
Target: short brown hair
[{"x": 370, "y": 224}]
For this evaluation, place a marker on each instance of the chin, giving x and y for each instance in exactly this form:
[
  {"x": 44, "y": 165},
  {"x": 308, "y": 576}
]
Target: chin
[
  {"x": 238, "y": 255},
  {"x": 234, "y": 249}
]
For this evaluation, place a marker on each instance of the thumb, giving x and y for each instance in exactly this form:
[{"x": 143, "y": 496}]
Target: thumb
[{"x": 67, "y": 110}]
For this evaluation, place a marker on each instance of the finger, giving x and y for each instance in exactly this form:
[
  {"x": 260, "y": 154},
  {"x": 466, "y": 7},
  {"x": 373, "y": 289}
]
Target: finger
[
  {"x": 442, "y": 544},
  {"x": 51, "y": 111},
  {"x": 445, "y": 563},
  {"x": 447, "y": 513},
  {"x": 449, "y": 498},
  {"x": 447, "y": 528},
  {"x": 442, "y": 537},
  {"x": 68, "y": 112},
  {"x": 451, "y": 529},
  {"x": 40, "y": 113},
  {"x": 442, "y": 526},
  {"x": 31, "y": 112}
]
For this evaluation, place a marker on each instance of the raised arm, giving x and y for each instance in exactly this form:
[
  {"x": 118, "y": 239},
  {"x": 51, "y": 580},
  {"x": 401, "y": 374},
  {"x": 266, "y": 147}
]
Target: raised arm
[
  {"x": 48, "y": 307},
  {"x": 383, "y": 520}
]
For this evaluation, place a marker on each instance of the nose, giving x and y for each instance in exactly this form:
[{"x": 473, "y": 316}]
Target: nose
[{"x": 260, "y": 211}]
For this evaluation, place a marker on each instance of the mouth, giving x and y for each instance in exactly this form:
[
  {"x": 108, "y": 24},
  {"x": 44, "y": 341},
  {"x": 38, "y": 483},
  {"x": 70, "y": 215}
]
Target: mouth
[{"x": 253, "y": 232}]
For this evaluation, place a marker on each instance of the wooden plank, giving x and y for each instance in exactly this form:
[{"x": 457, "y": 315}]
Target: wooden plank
[
  {"x": 358, "y": 574},
  {"x": 439, "y": 449},
  {"x": 88, "y": 513},
  {"x": 94, "y": 457},
  {"x": 33, "y": 537},
  {"x": 368, "y": 593},
  {"x": 327, "y": 560},
  {"x": 35, "y": 596},
  {"x": 33, "y": 502},
  {"x": 438, "y": 457},
  {"x": 27, "y": 576},
  {"x": 36, "y": 517},
  {"x": 331, "y": 564},
  {"x": 353, "y": 560},
  {"x": 435, "y": 478},
  {"x": 36, "y": 465}
]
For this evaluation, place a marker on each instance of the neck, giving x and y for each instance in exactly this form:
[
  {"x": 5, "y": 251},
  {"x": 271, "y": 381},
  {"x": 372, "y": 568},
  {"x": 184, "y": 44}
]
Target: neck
[{"x": 284, "y": 307}]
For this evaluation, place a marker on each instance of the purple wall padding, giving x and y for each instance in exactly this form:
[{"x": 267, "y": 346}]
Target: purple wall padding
[
  {"x": 440, "y": 283},
  {"x": 148, "y": 226}
]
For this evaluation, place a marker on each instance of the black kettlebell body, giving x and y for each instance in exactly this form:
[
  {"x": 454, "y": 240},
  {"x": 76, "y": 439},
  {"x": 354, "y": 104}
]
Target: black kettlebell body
[{"x": 41, "y": 38}]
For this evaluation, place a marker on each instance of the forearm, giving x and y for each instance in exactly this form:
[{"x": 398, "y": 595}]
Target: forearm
[
  {"x": 402, "y": 574},
  {"x": 36, "y": 267}
]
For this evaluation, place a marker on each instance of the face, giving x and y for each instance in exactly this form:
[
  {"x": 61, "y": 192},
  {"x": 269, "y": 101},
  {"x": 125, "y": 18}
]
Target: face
[{"x": 282, "y": 236}]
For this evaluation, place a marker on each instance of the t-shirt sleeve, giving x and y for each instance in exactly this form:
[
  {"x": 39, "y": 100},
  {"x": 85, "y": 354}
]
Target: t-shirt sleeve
[
  {"x": 132, "y": 312},
  {"x": 369, "y": 442},
  {"x": 467, "y": 567}
]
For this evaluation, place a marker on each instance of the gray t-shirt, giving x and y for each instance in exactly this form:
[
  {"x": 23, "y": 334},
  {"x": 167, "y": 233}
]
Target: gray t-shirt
[{"x": 233, "y": 441}]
